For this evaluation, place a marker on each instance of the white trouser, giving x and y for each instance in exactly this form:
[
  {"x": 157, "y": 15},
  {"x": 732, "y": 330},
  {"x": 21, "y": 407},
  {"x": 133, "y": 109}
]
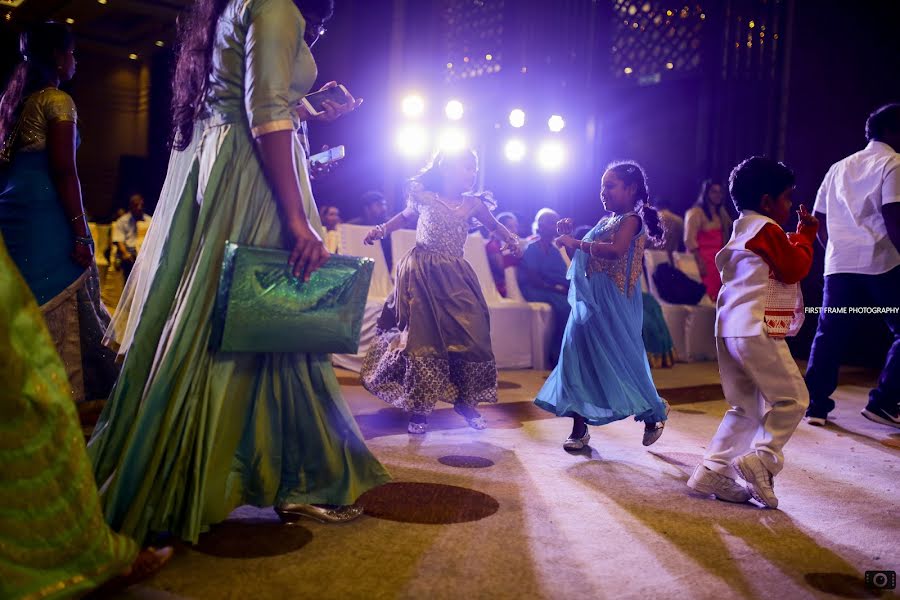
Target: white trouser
[{"x": 768, "y": 399}]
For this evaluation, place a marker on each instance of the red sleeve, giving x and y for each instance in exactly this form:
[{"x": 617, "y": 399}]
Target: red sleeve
[{"x": 788, "y": 255}]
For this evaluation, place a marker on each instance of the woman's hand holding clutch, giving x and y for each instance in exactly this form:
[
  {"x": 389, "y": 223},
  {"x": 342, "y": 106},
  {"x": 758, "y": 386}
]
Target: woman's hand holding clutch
[{"x": 309, "y": 251}]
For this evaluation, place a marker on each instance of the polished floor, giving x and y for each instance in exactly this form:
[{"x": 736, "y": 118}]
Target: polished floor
[{"x": 506, "y": 513}]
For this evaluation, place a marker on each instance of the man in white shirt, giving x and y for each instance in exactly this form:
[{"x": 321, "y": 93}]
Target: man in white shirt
[
  {"x": 858, "y": 207},
  {"x": 125, "y": 233}
]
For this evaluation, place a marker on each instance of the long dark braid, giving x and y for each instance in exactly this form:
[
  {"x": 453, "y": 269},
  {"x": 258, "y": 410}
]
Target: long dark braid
[
  {"x": 631, "y": 173},
  {"x": 195, "y": 45}
]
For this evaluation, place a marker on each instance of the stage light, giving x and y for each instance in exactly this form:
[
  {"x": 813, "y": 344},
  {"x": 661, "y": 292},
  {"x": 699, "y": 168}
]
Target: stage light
[
  {"x": 452, "y": 141},
  {"x": 413, "y": 106},
  {"x": 551, "y": 156},
  {"x": 412, "y": 141},
  {"x": 70, "y": 21},
  {"x": 556, "y": 123},
  {"x": 454, "y": 110},
  {"x": 517, "y": 117},
  {"x": 514, "y": 150},
  {"x": 133, "y": 56}
]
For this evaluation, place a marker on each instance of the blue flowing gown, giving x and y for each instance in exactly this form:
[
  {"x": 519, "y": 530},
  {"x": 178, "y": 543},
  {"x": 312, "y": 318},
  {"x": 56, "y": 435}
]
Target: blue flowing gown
[{"x": 603, "y": 374}]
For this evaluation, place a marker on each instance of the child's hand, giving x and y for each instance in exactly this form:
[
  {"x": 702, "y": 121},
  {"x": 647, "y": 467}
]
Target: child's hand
[
  {"x": 567, "y": 241},
  {"x": 564, "y": 226},
  {"x": 374, "y": 235},
  {"x": 512, "y": 247},
  {"x": 806, "y": 218}
]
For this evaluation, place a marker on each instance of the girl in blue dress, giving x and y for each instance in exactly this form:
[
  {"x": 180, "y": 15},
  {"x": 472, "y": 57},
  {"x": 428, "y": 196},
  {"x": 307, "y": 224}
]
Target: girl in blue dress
[{"x": 603, "y": 374}]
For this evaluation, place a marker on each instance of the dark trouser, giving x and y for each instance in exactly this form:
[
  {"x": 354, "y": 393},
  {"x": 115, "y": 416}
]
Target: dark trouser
[
  {"x": 851, "y": 290},
  {"x": 126, "y": 266}
]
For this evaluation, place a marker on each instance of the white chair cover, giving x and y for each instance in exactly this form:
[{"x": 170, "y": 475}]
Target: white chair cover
[
  {"x": 692, "y": 327},
  {"x": 520, "y": 331},
  {"x": 511, "y": 278},
  {"x": 541, "y": 320},
  {"x": 350, "y": 242}
]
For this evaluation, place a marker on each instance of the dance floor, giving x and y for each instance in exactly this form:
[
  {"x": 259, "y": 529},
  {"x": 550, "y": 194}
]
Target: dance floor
[{"x": 507, "y": 513}]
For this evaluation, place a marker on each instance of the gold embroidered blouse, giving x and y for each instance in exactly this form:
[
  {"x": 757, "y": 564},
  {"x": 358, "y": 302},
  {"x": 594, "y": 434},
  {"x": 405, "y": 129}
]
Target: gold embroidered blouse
[
  {"x": 42, "y": 108},
  {"x": 625, "y": 270}
]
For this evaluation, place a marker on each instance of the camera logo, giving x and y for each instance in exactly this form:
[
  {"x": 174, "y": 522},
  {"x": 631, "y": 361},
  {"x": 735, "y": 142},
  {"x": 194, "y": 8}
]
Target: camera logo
[{"x": 881, "y": 580}]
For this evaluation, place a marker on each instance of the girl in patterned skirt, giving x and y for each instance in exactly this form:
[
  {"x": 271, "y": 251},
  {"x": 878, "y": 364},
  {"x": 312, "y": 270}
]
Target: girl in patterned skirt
[
  {"x": 603, "y": 374},
  {"x": 433, "y": 339}
]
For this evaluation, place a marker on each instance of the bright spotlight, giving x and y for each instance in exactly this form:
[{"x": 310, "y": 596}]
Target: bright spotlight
[
  {"x": 551, "y": 156},
  {"x": 412, "y": 141},
  {"x": 454, "y": 110},
  {"x": 517, "y": 117},
  {"x": 556, "y": 123},
  {"x": 452, "y": 141},
  {"x": 413, "y": 106},
  {"x": 514, "y": 150}
]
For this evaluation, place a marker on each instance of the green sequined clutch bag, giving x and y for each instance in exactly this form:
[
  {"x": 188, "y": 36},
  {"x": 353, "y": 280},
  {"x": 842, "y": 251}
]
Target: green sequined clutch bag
[{"x": 262, "y": 307}]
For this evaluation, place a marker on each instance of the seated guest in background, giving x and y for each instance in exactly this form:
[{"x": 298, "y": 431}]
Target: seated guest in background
[
  {"x": 542, "y": 275},
  {"x": 673, "y": 228},
  {"x": 707, "y": 226},
  {"x": 374, "y": 210},
  {"x": 125, "y": 233},
  {"x": 331, "y": 217},
  {"x": 497, "y": 259}
]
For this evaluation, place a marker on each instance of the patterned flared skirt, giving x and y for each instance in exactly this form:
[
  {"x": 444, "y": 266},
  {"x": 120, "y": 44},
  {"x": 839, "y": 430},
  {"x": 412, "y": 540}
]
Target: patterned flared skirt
[{"x": 434, "y": 337}]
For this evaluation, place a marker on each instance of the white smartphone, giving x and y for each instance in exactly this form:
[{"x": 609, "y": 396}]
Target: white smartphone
[
  {"x": 313, "y": 102},
  {"x": 329, "y": 156}
]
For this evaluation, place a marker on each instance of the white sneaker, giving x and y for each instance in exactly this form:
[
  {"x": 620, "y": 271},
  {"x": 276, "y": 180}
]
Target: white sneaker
[
  {"x": 817, "y": 421},
  {"x": 759, "y": 480},
  {"x": 706, "y": 481}
]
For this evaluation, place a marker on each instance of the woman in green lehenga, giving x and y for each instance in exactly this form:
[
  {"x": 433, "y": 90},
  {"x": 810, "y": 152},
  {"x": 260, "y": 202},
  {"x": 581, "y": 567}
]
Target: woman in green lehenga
[
  {"x": 53, "y": 541},
  {"x": 188, "y": 433}
]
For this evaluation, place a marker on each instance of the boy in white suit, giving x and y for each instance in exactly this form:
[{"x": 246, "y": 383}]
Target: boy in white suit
[{"x": 760, "y": 303}]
